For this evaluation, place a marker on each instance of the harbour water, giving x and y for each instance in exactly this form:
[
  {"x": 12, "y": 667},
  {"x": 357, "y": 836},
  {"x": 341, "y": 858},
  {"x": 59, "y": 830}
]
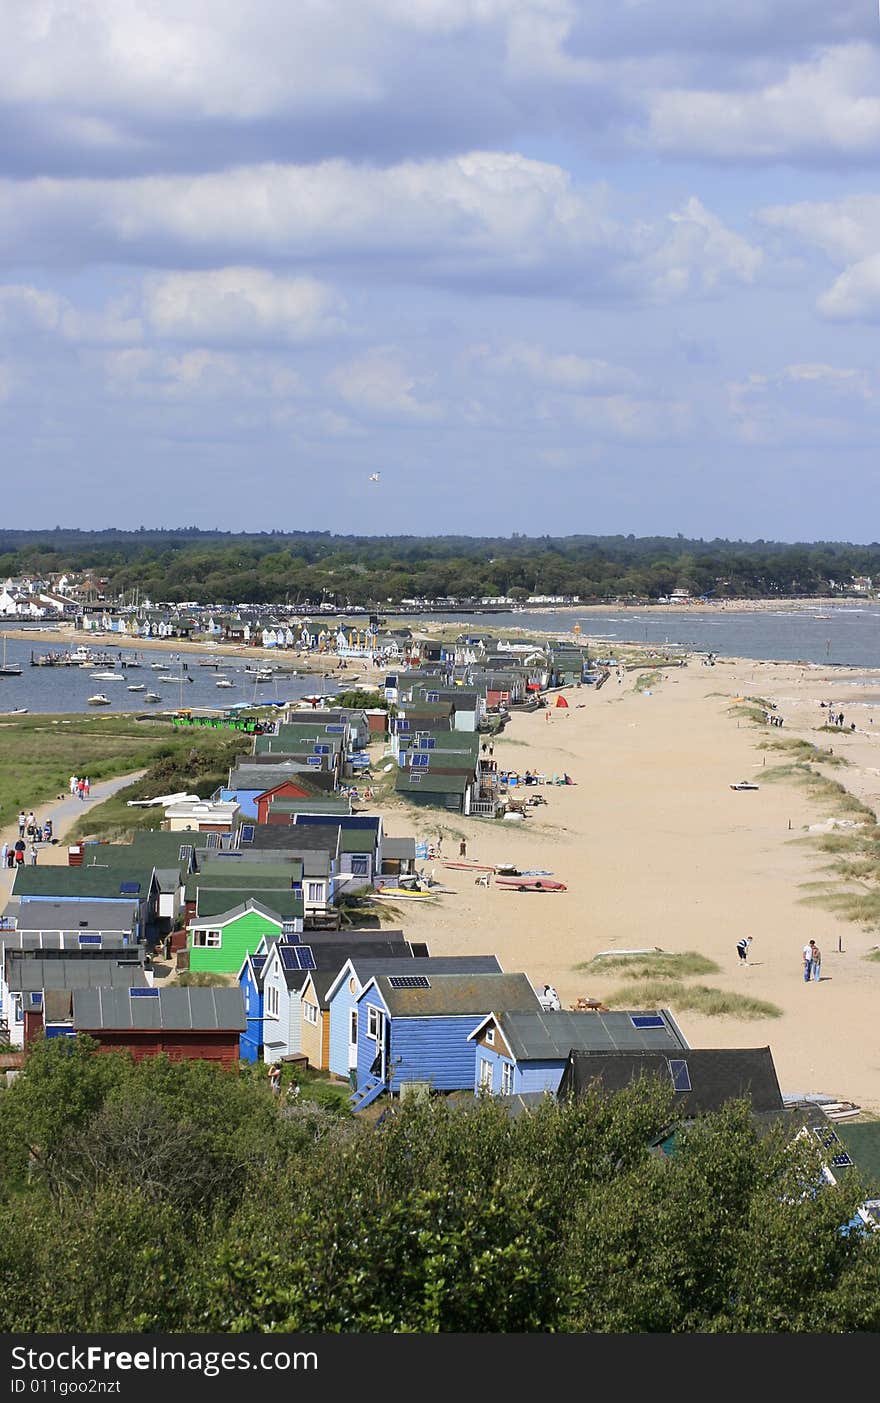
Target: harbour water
[
  {"x": 837, "y": 636},
  {"x": 62, "y": 690}
]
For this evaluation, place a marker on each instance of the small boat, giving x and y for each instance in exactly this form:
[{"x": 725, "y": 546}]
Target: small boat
[
  {"x": 138, "y": 687},
  {"x": 469, "y": 866},
  {"x": 108, "y": 676},
  {"x": 17, "y": 711},
  {"x": 841, "y": 1110},
  {"x": 152, "y": 697},
  {"x": 159, "y": 667},
  {"x": 401, "y": 894},
  {"x": 10, "y": 670},
  {"x": 99, "y": 699},
  {"x": 169, "y": 678},
  {"x": 744, "y": 784},
  {"x": 224, "y": 682},
  {"x": 529, "y": 884}
]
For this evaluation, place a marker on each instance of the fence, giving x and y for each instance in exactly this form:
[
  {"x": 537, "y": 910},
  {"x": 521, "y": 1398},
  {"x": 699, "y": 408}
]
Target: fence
[{"x": 484, "y": 808}]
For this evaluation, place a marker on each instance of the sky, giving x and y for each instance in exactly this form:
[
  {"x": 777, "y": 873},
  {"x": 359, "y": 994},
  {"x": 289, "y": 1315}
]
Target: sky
[{"x": 544, "y": 266}]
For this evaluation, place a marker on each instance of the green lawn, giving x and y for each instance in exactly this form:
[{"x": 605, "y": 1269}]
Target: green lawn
[{"x": 38, "y": 754}]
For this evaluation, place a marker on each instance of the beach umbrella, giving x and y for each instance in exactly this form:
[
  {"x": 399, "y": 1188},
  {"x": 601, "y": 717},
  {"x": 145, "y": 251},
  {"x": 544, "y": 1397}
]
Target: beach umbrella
[{"x": 560, "y": 701}]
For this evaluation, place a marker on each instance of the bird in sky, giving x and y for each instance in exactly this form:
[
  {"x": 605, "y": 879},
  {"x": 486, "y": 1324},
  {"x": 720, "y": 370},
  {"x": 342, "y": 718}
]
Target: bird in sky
[{"x": 374, "y": 477}]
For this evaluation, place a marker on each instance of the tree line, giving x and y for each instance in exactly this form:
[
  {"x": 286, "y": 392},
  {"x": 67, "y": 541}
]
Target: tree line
[
  {"x": 160, "y": 1196},
  {"x": 308, "y": 568}
]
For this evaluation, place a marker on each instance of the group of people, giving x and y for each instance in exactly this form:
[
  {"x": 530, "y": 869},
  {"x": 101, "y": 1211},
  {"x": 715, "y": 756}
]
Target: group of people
[
  {"x": 812, "y": 961},
  {"x": 80, "y": 787},
  {"x": 13, "y": 854},
  {"x": 30, "y": 834},
  {"x": 812, "y": 956}
]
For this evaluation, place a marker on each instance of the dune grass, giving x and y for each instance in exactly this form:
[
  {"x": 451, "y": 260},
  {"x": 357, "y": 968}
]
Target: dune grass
[
  {"x": 695, "y": 998},
  {"x": 803, "y": 750},
  {"x": 662, "y": 964},
  {"x": 645, "y": 681},
  {"x": 873, "y": 956}
]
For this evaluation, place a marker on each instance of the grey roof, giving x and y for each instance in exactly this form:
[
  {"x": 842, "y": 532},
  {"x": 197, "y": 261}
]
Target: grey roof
[
  {"x": 330, "y": 956},
  {"x": 119, "y": 916},
  {"x": 366, "y": 966},
  {"x": 168, "y": 878},
  {"x": 398, "y": 848},
  {"x": 716, "y": 1076},
  {"x": 544, "y": 1035},
  {"x": 60, "y": 942},
  {"x": 294, "y": 837},
  {"x": 231, "y": 913},
  {"x": 452, "y": 994},
  {"x": 25, "y": 974},
  {"x": 193, "y": 1008}
]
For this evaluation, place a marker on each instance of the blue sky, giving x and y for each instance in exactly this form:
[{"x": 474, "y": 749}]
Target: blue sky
[{"x": 547, "y": 266}]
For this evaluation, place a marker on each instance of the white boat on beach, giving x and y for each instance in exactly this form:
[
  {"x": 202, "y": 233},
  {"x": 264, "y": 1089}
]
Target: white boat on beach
[{"x": 99, "y": 699}]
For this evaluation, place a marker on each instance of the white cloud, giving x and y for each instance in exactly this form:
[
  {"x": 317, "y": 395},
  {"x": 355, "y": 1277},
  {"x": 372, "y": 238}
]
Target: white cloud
[
  {"x": 234, "y": 306},
  {"x": 196, "y": 375},
  {"x": 848, "y": 233},
  {"x": 488, "y": 221},
  {"x": 379, "y": 383},
  {"x": 27, "y": 310},
  {"x": 566, "y": 371},
  {"x": 801, "y": 403},
  {"x": 855, "y": 295},
  {"x": 826, "y": 106},
  {"x": 699, "y": 256}
]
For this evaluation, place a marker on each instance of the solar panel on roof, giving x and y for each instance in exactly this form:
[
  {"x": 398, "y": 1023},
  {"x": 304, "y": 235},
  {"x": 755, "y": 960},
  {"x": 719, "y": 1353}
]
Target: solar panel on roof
[
  {"x": 306, "y": 958},
  {"x": 143, "y": 993},
  {"x": 247, "y": 833},
  {"x": 409, "y": 981},
  {"x": 681, "y": 1077},
  {"x": 647, "y": 1020},
  {"x": 89, "y": 939},
  {"x": 842, "y": 1161},
  {"x": 129, "y": 888}
]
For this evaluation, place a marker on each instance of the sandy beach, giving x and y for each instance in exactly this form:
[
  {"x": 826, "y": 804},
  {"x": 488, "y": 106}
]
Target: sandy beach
[{"x": 658, "y": 851}]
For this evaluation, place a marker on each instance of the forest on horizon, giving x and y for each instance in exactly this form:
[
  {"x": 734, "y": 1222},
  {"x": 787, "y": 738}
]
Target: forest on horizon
[{"x": 310, "y": 567}]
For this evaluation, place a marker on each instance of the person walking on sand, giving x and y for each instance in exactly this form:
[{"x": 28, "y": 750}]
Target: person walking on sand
[
  {"x": 808, "y": 960},
  {"x": 462, "y": 848},
  {"x": 816, "y": 964},
  {"x": 742, "y": 948}
]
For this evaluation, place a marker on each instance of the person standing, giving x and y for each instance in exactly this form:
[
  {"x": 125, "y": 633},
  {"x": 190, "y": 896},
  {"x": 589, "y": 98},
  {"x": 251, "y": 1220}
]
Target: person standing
[
  {"x": 74, "y": 782},
  {"x": 275, "y": 1078},
  {"x": 462, "y": 848},
  {"x": 33, "y": 854},
  {"x": 816, "y": 964},
  {"x": 4, "y": 853},
  {"x": 808, "y": 960},
  {"x": 87, "y": 787},
  {"x": 22, "y": 821},
  {"x": 742, "y": 948}
]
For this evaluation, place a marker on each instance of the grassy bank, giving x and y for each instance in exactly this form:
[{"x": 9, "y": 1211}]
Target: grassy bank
[{"x": 38, "y": 754}]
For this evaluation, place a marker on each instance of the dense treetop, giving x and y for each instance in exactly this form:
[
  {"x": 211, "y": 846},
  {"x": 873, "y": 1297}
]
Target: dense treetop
[{"x": 164, "y": 1196}]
